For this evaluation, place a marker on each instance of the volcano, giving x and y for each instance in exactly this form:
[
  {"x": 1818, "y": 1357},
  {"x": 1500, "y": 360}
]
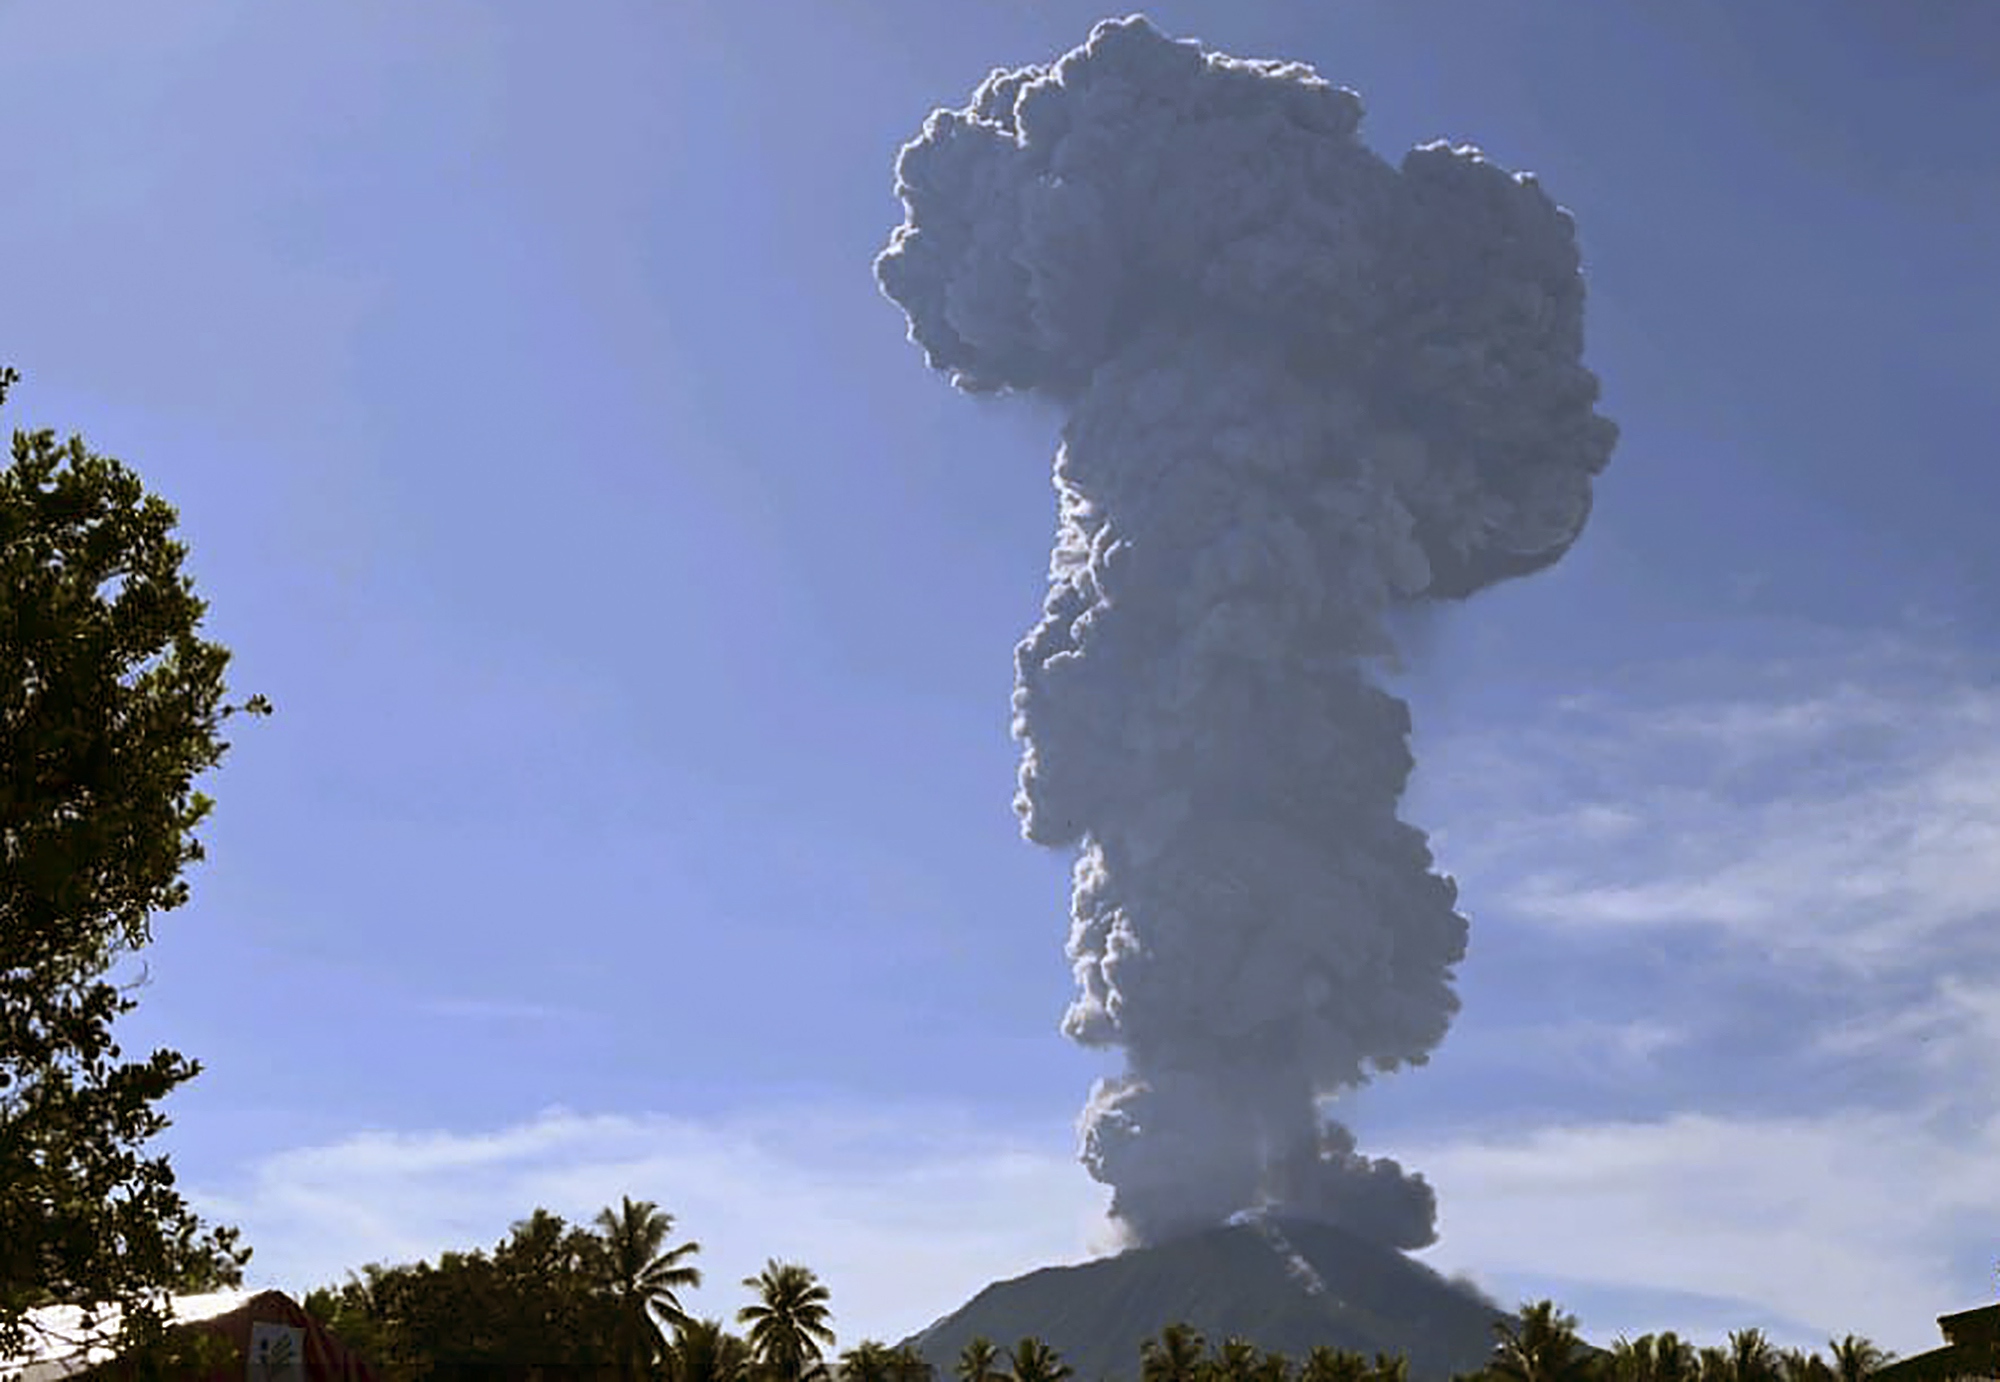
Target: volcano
[{"x": 1283, "y": 1284}]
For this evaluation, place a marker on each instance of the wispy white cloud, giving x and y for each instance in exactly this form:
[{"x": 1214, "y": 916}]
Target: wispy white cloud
[
  {"x": 499, "y": 1010},
  {"x": 1827, "y": 823},
  {"x": 904, "y": 1213},
  {"x": 1947, "y": 1032},
  {"x": 1838, "y": 1221},
  {"x": 1617, "y": 1050},
  {"x": 1843, "y": 1222},
  {"x": 1845, "y": 816},
  {"x": 1844, "y": 844},
  {"x": 1591, "y": 1053}
]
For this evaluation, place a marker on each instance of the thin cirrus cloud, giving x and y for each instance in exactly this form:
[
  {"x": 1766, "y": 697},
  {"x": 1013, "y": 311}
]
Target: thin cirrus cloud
[
  {"x": 1845, "y": 815},
  {"x": 501, "y": 1010},
  {"x": 1605, "y": 1049}
]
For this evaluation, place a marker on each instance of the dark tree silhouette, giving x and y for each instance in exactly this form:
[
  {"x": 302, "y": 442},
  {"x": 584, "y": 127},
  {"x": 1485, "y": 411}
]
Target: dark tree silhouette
[
  {"x": 788, "y": 1321},
  {"x": 642, "y": 1275}
]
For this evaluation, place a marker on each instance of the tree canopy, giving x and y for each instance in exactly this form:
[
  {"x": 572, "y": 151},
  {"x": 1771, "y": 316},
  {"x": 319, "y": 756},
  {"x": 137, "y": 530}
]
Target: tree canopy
[{"x": 111, "y": 705}]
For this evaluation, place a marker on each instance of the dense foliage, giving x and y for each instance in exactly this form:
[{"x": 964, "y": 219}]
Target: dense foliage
[
  {"x": 550, "y": 1301},
  {"x": 110, "y": 707}
]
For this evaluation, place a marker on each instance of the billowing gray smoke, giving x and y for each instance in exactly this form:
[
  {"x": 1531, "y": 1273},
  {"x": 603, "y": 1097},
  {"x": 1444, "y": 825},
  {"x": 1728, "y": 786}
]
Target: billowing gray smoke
[{"x": 1302, "y": 386}]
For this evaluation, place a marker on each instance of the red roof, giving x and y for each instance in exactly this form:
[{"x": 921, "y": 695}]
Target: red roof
[{"x": 266, "y": 1318}]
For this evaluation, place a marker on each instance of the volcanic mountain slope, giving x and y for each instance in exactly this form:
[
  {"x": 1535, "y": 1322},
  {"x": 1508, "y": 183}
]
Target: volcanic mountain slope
[{"x": 1281, "y": 1284}]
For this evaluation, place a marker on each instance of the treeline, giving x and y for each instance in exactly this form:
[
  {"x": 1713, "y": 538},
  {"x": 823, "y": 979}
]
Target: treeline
[
  {"x": 555, "y": 1303},
  {"x": 1542, "y": 1346}
]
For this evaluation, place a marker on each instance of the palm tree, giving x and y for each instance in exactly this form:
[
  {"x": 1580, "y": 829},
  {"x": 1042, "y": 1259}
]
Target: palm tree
[
  {"x": 1235, "y": 1361},
  {"x": 641, "y": 1275},
  {"x": 1390, "y": 1368},
  {"x": 1751, "y": 1357},
  {"x": 1272, "y": 1366},
  {"x": 1635, "y": 1360},
  {"x": 1854, "y": 1358},
  {"x": 1543, "y": 1348},
  {"x": 1174, "y": 1356},
  {"x": 1662, "y": 1357},
  {"x": 1675, "y": 1359},
  {"x": 908, "y": 1365},
  {"x": 788, "y": 1320},
  {"x": 1329, "y": 1364},
  {"x": 704, "y": 1351},
  {"x": 1712, "y": 1364},
  {"x": 1797, "y": 1365},
  {"x": 1034, "y": 1361},
  {"x": 867, "y": 1361},
  {"x": 976, "y": 1361}
]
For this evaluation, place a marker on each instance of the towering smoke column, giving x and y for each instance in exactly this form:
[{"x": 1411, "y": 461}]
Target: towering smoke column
[{"x": 1302, "y": 386}]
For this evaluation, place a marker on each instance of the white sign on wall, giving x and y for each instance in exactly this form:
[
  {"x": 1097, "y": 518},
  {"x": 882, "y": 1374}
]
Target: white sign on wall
[{"x": 277, "y": 1353}]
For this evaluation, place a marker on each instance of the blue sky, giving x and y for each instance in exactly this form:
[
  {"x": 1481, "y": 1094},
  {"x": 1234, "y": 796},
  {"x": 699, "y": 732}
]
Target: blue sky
[{"x": 639, "y": 615}]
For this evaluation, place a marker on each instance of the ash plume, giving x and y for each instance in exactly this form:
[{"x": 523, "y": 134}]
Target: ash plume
[{"x": 1302, "y": 387}]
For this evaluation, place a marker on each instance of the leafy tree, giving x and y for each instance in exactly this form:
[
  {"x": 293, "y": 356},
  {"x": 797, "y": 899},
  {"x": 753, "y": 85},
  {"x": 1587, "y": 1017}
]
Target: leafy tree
[
  {"x": 1544, "y": 1347},
  {"x": 359, "y": 1311},
  {"x": 110, "y": 707},
  {"x": 867, "y": 1361},
  {"x": 1389, "y": 1368},
  {"x": 642, "y": 1275},
  {"x": 1034, "y": 1361},
  {"x": 788, "y": 1321},
  {"x": 704, "y": 1351},
  {"x": 536, "y": 1309},
  {"x": 978, "y": 1361},
  {"x": 454, "y": 1318},
  {"x": 555, "y": 1307},
  {"x": 1176, "y": 1354}
]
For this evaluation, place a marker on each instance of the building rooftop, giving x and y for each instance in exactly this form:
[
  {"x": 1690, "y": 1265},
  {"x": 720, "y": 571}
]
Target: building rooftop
[
  {"x": 65, "y": 1347},
  {"x": 1971, "y": 1350},
  {"x": 1972, "y": 1326}
]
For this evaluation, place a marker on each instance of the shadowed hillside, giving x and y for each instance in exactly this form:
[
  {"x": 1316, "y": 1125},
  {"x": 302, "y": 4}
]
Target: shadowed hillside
[{"x": 1282, "y": 1284}]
